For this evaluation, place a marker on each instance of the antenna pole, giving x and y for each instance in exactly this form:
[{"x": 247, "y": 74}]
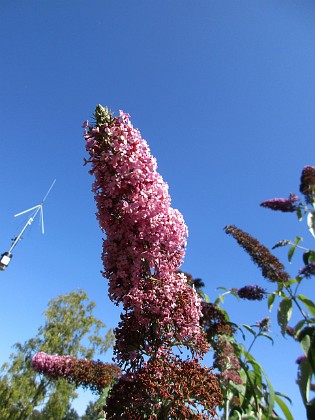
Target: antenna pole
[
  {"x": 31, "y": 219},
  {"x": 50, "y": 188},
  {"x": 28, "y": 223}
]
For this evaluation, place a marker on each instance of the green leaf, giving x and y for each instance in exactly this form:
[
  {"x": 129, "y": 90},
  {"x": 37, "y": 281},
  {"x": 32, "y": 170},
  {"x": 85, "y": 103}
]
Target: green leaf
[
  {"x": 308, "y": 303},
  {"x": 299, "y": 213},
  {"x": 284, "y": 314},
  {"x": 291, "y": 252},
  {"x": 298, "y": 327},
  {"x": 249, "y": 329},
  {"x": 271, "y": 299},
  {"x": 304, "y": 379},
  {"x": 297, "y": 240},
  {"x": 311, "y": 223},
  {"x": 306, "y": 344},
  {"x": 308, "y": 257},
  {"x": 284, "y": 408},
  {"x": 267, "y": 336}
]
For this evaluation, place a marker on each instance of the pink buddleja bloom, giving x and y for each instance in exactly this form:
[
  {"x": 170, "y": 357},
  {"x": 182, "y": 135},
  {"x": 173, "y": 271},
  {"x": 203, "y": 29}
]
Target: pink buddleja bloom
[
  {"x": 146, "y": 237},
  {"x": 91, "y": 374},
  {"x": 144, "y": 247}
]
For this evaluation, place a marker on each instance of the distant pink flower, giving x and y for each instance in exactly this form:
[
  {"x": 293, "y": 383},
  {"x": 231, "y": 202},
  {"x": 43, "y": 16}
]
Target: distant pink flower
[
  {"x": 282, "y": 204},
  {"x": 91, "y": 374}
]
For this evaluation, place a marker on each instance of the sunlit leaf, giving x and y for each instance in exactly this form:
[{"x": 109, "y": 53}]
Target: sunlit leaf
[
  {"x": 271, "y": 299},
  {"x": 284, "y": 408},
  {"x": 291, "y": 252},
  {"x": 284, "y": 314},
  {"x": 308, "y": 303},
  {"x": 306, "y": 344},
  {"x": 298, "y": 327},
  {"x": 310, "y": 223},
  {"x": 248, "y": 328},
  {"x": 297, "y": 240},
  {"x": 299, "y": 213}
]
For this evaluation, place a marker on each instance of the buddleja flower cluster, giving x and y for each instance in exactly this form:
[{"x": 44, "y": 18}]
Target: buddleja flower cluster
[
  {"x": 166, "y": 388},
  {"x": 144, "y": 247},
  {"x": 251, "y": 292},
  {"x": 91, "y": 374},
  {"x": 272, "y": 269},
  {"x": 290, "y": 205}
]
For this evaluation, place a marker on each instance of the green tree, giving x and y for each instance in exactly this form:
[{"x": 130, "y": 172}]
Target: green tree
[{"x": 70, "y": 328}]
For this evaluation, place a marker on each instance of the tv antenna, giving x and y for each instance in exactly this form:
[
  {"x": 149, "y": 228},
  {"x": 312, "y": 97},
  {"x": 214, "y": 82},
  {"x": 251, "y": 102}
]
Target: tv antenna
[{"x": 7, "y": 256}]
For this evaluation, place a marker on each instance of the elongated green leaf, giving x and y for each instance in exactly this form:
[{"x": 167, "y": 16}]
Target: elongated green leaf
[
  {"x": 284, "y": 314},
  {"x": 306, "y": 344},
  {"x": 298, "y": 327},
  {"x": 284, "y": 408},
  {"x": 248, "y": 329},
  {"x": 311, "y": 223},
  {"x": 280, "y": 394},
  {"x": 271, "y": 299},
  {"x": 260, "y": 371},
  {"x": 304, "y": 379},
  {"x": 271, "y": 394},
  {"x": 267, "y": 336},
  {"x": 308, "y": 303},
  {"x": 291, "y": 252},
  {"x": 299, "y": 213}
]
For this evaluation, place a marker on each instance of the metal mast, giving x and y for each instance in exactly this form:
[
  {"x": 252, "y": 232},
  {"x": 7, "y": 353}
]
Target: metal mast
[{"x": 6, "y": 256}]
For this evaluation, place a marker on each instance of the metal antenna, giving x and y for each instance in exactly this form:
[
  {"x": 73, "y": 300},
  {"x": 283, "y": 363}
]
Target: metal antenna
[{"x": 36, "y": 209}]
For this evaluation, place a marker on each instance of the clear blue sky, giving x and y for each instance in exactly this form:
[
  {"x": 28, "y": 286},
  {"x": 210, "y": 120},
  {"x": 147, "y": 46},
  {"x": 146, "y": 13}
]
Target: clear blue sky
[{"x": 224, "y": 92}]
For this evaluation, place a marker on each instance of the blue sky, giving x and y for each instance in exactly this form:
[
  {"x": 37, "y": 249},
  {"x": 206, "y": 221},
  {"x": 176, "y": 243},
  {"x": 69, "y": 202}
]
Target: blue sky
[{"x": 222, "y": 90}]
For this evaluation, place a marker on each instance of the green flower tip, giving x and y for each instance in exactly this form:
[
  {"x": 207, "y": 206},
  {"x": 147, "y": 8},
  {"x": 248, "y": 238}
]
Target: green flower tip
[{"x": 102, "y": 115}]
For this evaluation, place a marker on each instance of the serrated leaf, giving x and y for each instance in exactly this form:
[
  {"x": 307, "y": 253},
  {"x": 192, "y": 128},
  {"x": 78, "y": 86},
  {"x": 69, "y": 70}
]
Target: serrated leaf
[
  {"x": 284, "y": 314},
  {"x": 311, "y": 223},
  {"x": 308, "y": 303},
  {"x": 284, "y": 408},
  {"x": 271, "y": 299}
]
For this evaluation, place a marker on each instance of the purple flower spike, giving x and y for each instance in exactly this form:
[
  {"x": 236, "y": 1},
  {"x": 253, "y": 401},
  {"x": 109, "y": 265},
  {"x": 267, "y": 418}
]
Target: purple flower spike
[
  {"x": 251, "y": 293},
  {"x": 286, "y": 205},
  {"x": 308, "y": 270},
  {"x": 307, "y": 185}
]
